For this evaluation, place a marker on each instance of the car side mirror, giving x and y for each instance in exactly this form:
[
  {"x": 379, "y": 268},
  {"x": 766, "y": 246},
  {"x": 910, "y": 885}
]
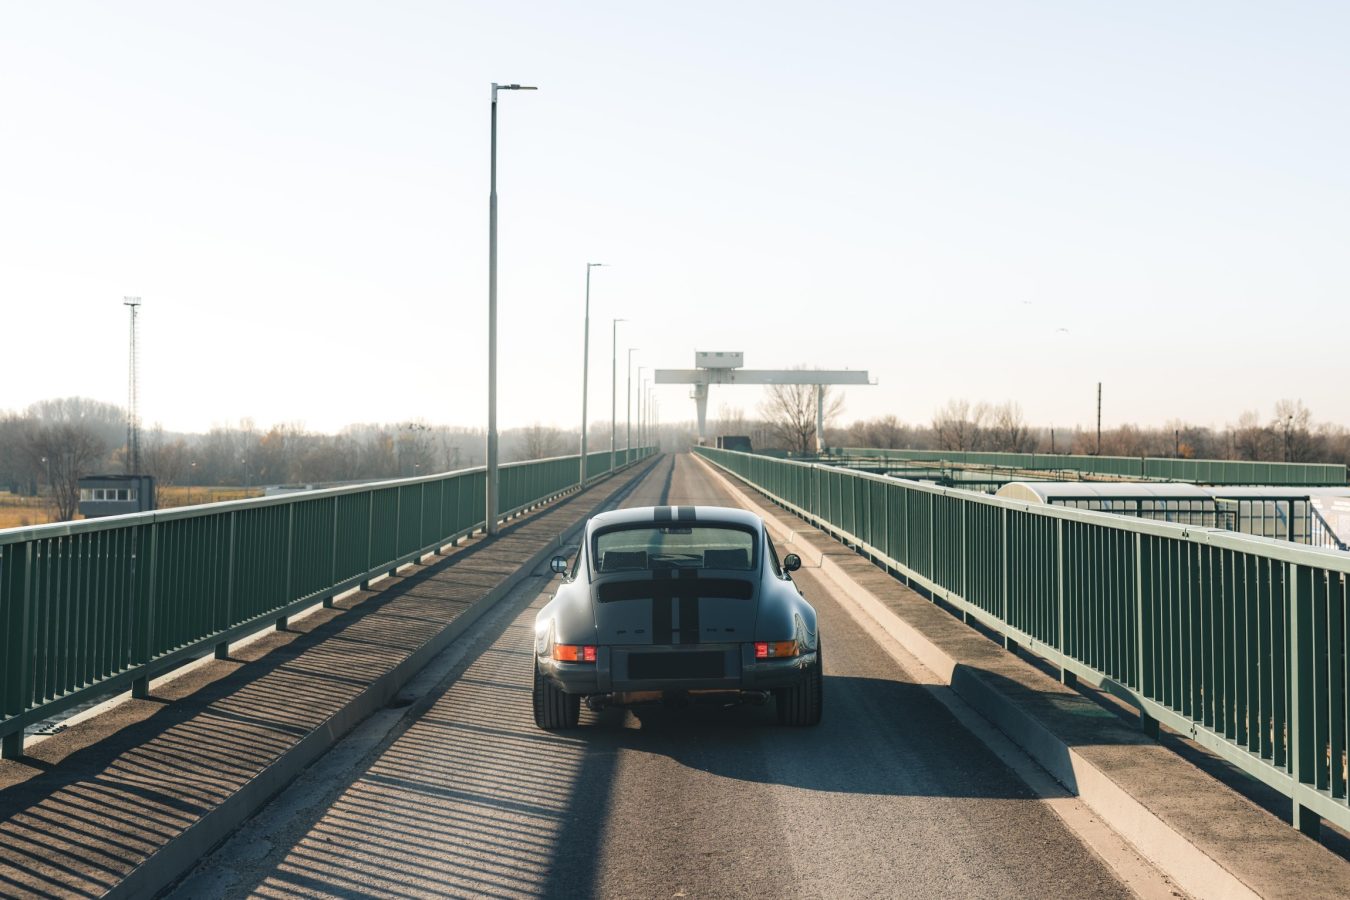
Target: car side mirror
[
  {"x": 792, "y": 562},
  {"x": 559, "y": 564}
]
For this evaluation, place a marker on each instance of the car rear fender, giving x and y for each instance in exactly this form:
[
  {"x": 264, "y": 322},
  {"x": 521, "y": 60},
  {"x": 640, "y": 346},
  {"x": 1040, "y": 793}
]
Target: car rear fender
[{"x": 785, "y": 615}]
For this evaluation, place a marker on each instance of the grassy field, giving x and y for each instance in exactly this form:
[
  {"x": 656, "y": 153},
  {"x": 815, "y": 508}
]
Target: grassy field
[
  {"x": 170, "y": 497},
  {"x": 21, "y": 512}
]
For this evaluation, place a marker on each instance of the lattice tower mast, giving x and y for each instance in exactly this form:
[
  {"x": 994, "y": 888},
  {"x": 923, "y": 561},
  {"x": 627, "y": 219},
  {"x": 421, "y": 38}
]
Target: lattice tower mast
[{"x": 133, "y": 395}]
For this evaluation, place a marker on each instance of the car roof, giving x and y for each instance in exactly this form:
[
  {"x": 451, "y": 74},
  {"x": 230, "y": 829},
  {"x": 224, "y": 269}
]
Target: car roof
[{"x": 684, "y": 515}]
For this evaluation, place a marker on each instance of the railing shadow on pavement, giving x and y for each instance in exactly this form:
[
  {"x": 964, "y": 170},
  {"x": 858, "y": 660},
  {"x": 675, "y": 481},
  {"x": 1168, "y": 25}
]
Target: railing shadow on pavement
[
  {"x": 470, "y": 800},
  {"x": 75, "y": 816}
]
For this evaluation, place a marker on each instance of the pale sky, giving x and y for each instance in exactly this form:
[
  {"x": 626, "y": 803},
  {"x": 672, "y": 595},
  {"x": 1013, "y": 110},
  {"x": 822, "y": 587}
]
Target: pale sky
[{"x": 930, "y": 191}]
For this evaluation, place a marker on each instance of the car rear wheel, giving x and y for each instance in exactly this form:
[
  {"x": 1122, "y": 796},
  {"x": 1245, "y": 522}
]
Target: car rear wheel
[
  {"x": 802, "y": 703},
  {"x": 553, "y": 707}
]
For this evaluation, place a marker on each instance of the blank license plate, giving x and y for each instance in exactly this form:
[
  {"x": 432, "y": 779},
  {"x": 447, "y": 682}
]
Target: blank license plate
[{"x": 698, "y": 664}]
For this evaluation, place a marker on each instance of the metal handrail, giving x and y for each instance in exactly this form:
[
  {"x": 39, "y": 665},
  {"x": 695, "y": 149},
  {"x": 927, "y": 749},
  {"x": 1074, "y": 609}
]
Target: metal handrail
[
  {"x": 1210, "y": 471},
  {"x": 90, "y": 608},
  {"x": 1235, "y": 640},
  {"x": 1320, "y": 526}
]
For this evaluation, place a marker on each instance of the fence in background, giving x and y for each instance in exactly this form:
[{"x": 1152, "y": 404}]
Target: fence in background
[
  {"x": 1202, "y": 471},
  {"x": 1236, "y": 641},
  {"x": 92, "y": 607}
]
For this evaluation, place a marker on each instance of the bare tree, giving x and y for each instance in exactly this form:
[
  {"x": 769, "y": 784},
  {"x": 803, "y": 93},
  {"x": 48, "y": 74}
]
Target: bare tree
[
  {"x": 959, "y": 426},
  {"x": 16, "y": 468},
  {"x": 730, "y": 420},
  {"x": 66, "y": 452},
  {"x": 789, "y": 411},
  {"x": 165, "y": 459},
  {"x": 1251, "y": 439},
  {"x": 541, "y": 442},
  {"x": 885, "y": 433},
  {"x": 107, "y": 421},
  {"x": 326, "y": 459},
  {"x": 416, "y": 449},
  {"x": 1008, "y": 431},
  {"x": 1293, "y": 422}
]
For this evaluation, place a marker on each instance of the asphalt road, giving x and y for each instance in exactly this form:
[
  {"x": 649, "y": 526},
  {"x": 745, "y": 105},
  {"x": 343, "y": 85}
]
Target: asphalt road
[{"x": 889, "y": 797}]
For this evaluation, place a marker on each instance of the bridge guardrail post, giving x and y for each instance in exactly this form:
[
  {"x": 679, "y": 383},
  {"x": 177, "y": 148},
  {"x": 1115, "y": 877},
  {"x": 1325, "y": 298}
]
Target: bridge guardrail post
[
  {"x": 333, "y": 569},
  {"x": 965, "y": 564},
  {"x": 398, "y": 526},
  {"x": 370, "y": 537},
  {"x": 1147, "y": 723},
  {"x": 932, "y": 542},
  {"x": 143, "y": 580},
  {"x": 1007, "y": 621},
  {"x": 18, "y": 645},
  {"x": 288, "y": 596},
  {"x": 1065, "y": 675},
  {"x": 222, "y": 649},
  {"x": 1302, "y": 756}
]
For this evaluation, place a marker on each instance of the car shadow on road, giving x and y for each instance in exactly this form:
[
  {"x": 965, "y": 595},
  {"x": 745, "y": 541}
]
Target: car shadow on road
[{"x": 877, "y": 736}]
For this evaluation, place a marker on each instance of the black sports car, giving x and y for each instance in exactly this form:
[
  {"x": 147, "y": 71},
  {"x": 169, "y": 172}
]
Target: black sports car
[{"x": 676, "y": 604}]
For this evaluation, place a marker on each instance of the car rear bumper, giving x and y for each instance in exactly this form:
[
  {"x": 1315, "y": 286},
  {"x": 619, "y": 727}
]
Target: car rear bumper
[{"x": 638, "y": 669}]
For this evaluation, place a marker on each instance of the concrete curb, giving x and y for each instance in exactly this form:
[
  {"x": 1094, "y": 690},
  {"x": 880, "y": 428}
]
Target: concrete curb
[
  {"x": 182, "y": 852},
  {"x": 1168, "y": 849}
]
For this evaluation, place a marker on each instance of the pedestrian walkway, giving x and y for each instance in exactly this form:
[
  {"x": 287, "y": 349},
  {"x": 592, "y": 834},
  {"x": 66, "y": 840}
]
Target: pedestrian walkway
[{"x": 125, "y": 800}]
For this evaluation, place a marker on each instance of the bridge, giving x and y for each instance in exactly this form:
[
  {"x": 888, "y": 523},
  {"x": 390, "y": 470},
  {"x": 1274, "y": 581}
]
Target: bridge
[{"x": 327, "y": 694}]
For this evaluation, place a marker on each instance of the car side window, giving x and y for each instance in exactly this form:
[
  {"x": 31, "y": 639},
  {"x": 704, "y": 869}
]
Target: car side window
[{"x": 773, "y": 557}]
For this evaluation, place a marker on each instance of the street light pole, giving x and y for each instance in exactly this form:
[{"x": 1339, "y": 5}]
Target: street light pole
[
  {"x": 628, "y": 406},
  {"x": 586, "y": 369},
  {"x": 642, "y": 431},
  {"x": 614, "y": 390},
  {"x": 491, "y": 518}
]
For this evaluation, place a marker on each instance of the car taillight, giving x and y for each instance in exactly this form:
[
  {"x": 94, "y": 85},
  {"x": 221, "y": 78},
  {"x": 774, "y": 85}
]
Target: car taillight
[
  {"x": 574, "y": 653},
  {"x": 775, "y": 649}
]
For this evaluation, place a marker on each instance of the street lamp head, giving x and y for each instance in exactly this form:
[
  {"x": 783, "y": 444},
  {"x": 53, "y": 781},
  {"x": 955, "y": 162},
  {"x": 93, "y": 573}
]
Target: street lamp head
[
  {"x": 510, "y": 87},
  {"x": 593, "y": 265}
]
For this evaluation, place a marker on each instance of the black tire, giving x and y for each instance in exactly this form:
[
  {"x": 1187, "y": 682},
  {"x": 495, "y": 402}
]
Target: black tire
[
  {"x": 554, "y": 709},
  {"x": 802, "y": 704}
]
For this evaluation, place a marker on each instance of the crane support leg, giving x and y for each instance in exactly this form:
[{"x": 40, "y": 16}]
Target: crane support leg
[
  {"x": 701, "y": 400},
  {"x": 820, "y": 418}
]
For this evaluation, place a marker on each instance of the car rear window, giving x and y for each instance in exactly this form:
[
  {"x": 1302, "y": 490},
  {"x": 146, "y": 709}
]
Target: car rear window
[{"x": 652, "y": 547}]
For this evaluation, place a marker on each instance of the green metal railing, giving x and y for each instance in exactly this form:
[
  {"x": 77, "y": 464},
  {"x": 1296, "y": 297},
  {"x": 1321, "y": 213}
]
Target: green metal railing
[
  {"x": 1204, "y": 471},
  {"x": 1238, "y": 642},
  {"x": 89, "y": 608}
]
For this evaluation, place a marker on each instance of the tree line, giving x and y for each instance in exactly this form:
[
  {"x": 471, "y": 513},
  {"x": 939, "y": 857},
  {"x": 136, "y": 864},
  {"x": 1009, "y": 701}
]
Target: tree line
[
  {"x": 787, "y": 418},
  {"x": 46, "y": 448}
]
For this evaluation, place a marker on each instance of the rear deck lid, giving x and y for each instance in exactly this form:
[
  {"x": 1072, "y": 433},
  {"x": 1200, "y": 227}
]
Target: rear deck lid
[{"x": 685, "y": 607}]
